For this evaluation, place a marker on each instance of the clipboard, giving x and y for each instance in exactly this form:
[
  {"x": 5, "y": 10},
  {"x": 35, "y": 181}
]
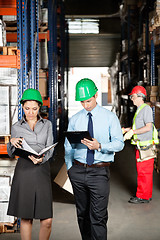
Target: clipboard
[{"x": 75, "y": 137}]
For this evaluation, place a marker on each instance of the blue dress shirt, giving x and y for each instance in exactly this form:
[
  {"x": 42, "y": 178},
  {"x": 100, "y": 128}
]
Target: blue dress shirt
[{"x": 107, "y": 131}]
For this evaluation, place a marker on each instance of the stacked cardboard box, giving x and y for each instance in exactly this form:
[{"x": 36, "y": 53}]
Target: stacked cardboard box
[{"x": 43, "y": 83}]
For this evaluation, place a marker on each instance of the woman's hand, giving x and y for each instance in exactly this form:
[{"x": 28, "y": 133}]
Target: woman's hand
[
  {"x": 36, "y": 160},
  {"x": 16, "y": 142},
  {"x": 92, "y": 145}
]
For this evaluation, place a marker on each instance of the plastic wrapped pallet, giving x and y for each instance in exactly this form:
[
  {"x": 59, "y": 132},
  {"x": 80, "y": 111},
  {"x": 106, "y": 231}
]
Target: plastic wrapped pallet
[
  {"x": 5, "y": 187},
  {"x": 2, "y": 33},
  {"x": 13, "y": 104},
  {"x": 8, "y": 76},
  {"x": 4, "y": 108}
]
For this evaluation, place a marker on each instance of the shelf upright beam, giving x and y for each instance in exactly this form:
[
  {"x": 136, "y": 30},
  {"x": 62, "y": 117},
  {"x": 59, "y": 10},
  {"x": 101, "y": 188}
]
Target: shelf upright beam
[
  {"x": 37, "y": 46},
  {"x": 67, "y": 71},
  {"x": 34, "y": 44},
  {"x": 152, "y": 63},
  {"x": 147, "y": 32},
  {"x": 22, "y": 43},
  {"x": 128, "y": 32},
  {"x": 62, "y": 66},
  {"x": 19, "y": 46},
  {"x": 153, "y": 71},
  {"x": 53, "y": 65},
  {"x": 32, "y": 62}
]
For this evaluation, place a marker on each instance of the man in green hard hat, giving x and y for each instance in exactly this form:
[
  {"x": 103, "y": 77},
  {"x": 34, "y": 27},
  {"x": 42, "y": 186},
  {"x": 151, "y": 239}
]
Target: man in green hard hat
[{"x": 88, "y": 164}]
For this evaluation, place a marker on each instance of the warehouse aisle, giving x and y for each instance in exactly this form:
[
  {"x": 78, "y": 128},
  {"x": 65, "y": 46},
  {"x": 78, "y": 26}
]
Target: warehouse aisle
[{"x": 126, "y": 221}]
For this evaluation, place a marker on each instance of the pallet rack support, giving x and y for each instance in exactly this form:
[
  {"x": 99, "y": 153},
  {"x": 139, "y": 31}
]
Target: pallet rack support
[
  {"x": 153, "y": 71},
  {"x": 53, "y": 65},
  {"x": 152, "y": 63},
  {"x": 34, "y": 48},
  {"x": 62, "y": 67},
  {"x": 128, "y": 32}
]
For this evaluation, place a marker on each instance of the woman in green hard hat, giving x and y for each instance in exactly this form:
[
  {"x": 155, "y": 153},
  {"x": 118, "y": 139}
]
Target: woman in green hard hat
[{"x": 31, "y": 192}]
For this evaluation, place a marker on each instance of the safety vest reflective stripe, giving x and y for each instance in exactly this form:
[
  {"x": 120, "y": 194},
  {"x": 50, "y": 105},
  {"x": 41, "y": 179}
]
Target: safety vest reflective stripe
[{"x": 154, "y": 140}]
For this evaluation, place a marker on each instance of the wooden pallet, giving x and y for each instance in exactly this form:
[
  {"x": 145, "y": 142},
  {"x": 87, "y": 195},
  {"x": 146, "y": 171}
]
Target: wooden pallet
[
  {"x": 4, "y": 139},
  {"x": 11, "y": 50},
  {"x": 6, "y": 227}
]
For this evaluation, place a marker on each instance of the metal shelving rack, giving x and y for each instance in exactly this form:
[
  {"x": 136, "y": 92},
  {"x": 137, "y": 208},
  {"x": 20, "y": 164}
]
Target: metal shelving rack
[
  {"x": 8, "y": 61},
  {"x": 143, "y": 58},
  {"x": 27, "y": 59},
  {"x": 27, "y": 44}
]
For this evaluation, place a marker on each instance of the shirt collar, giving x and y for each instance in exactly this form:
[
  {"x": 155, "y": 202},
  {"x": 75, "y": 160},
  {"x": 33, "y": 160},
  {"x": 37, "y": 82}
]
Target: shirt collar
[
  {"x": 23, "y": 120},
  {"x": 94, "y": 110}
]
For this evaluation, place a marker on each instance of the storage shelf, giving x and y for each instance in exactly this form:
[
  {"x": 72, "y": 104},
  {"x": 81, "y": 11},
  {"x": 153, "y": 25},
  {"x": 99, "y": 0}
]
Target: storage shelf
[
  {"x": 46, "y": 102},
  {"x": 8, "y": 11},
  {"x": 44, "y": 35},
  {"x": 3, "y": 149},
  {"x": 12, "y": 37}
]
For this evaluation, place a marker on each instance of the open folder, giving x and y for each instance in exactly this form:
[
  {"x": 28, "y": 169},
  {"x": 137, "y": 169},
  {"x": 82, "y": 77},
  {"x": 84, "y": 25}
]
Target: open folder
[{"x": 26, "y": 150}]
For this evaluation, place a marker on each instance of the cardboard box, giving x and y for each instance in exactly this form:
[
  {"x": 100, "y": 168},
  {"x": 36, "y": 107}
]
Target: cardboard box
[
  {"x": 43, "y": 86},
  {"x": 157, "y": 117},
  {"x": 43, "y": 83},
  {"x": 62, "y": 179}
]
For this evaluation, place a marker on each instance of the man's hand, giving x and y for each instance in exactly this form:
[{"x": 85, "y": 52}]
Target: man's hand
[
  {"x": 128, "y": 135},
  {"x": 92, "y": 145}
]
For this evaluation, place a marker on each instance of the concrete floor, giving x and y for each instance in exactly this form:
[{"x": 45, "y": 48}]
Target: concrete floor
[{"x": 126, "y": 221}]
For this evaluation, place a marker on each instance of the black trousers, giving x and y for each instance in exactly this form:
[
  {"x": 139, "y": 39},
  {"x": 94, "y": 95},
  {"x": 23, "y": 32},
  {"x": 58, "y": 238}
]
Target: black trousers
[{"x": 91, "y": 190}]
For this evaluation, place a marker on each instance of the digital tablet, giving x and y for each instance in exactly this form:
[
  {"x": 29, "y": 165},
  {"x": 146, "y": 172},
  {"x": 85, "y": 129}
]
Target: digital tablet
[{"x": 76, "y": 136}]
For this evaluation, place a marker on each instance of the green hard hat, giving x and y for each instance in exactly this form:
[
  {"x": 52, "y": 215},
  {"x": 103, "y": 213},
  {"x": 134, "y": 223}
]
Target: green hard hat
[
  {"x": 31, "y": 94},
  {"x": 85, "y": 89}
]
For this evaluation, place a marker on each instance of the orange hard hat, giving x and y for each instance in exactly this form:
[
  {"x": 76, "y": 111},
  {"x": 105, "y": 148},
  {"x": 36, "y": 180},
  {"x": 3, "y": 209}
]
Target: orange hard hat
[{"x": 138, "y": 89}]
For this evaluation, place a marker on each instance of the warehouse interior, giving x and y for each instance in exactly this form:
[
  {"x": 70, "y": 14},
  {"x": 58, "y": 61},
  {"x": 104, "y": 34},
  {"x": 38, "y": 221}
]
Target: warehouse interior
[{"x": 50, "y": 45}]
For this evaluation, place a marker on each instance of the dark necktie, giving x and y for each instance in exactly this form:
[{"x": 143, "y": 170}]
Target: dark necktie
[{"x": 90, "y": 153}]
